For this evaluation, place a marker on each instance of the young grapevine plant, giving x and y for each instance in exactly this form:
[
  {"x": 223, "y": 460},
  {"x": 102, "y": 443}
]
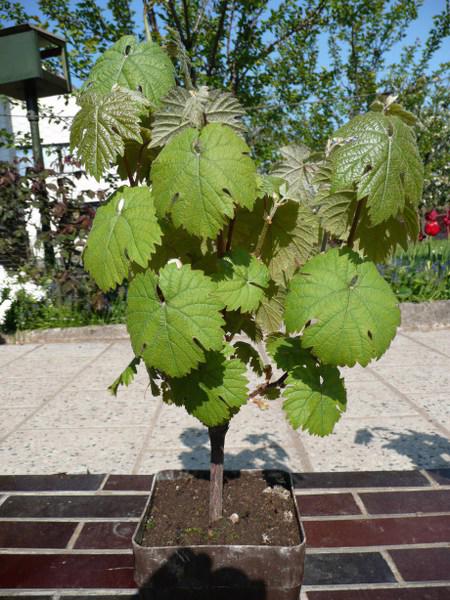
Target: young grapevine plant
[{"x": 230, "y": 271}]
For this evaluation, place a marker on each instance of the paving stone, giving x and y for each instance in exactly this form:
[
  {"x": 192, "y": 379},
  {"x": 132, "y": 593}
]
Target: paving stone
[
  {"x": 438, "y": 339},
  {"x": 92, "y": 408},
  {"x": 60, "y": 571},
  {"x": 101, "y": 536},
  {"x": 46, "y": 483},
  {"x": 416, "y": 593},
  {"x": 410, "y": 380},
  {"x": 135, "y": 483},
  {"x": 360, "y": 479},
  {"x": 370, "y": 399},
  {"x": 69, "y": 450},
  {"x": 406, "y": 502},
  {"x": 35, "y": 535},
  {"x": 61, "y": 507},
  {"x": 425, "y": 564},
  {"x": 12, "y": 352},
  {"x": 19, "y": 393},
  {"x": 12, "y": 418},
  {"x": 441, "y": 476},
  {"x": 344, "y": 569},
  {"x": 327, "y": 504},
  {"x": 377, "y": 532},
  {"x": 385, "y": 444}
]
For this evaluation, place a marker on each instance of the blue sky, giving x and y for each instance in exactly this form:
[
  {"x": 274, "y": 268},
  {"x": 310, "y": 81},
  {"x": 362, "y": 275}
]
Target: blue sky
[{"x": 418, "y": 31}]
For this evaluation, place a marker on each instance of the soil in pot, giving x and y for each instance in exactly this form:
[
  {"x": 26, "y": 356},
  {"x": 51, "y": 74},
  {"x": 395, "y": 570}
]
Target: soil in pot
[{"x": 256, "y": 512}]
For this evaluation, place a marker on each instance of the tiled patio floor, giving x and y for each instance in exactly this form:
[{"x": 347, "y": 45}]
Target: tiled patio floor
[{"x": 370, "y": 535}]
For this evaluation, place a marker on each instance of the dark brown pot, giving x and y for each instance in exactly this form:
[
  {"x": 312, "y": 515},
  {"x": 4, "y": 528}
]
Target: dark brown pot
[{"x": 219, "y": 572}]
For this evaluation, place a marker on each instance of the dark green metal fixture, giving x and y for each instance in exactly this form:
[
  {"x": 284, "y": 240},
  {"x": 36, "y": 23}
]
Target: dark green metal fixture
[{"x": 33, "y": 64}]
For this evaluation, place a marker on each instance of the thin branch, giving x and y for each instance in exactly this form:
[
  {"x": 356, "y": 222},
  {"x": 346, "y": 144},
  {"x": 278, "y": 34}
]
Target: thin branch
[
  {"x": 267, "y": 223},
  {"x": 261, "y": 389},
  {"x": 212, "y": 59},
  {"x": 230, "y": 234},
  {"x": 175, "y": 17},
  {"x": 187, "y": 25},
  {"x": 200, "y": 15},
  {"x": 150, "y": 17},
  {"x": 129, "y": 171},
  {"x": 356, "y": 217}
]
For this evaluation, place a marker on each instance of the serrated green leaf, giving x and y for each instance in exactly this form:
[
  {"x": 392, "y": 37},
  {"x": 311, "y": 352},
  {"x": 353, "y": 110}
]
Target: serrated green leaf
[
  {"x": 288, "y": 352},
  {"x": 291, "y": 236},
  {"x": 241, "y": 279},
  {"x": 314, "y": 398},
  {"x": 214, "y": 392},
  {"x": 172, "y": 318},
  {"x": 335, "y": 212},
  {"x": 125, "y": 231},
  {"x": 198, "y": 177},
  {"x": 177, "y": 244},
  {"x": 379, "y": 158},
  {"x": 183, "y": 108},
  {"x": 142, "y": 67},
  {"x": 298, "y": 169},
  {"x": 269, "y": 185},
  {"x": 237, "y": 322},
  {"x": 269, "y": 315},
  {"x": 126, "y": 377},
  {"x": 102, "y": 125},
  {"x": 248, "y": 355},
  {"x": 380, "y": 241},
  {"x": 351, "y": 310}
]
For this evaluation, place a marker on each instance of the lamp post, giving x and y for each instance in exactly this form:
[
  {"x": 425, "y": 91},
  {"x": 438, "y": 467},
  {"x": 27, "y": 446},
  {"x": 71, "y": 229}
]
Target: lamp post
[{"x": 34, "y": 65}]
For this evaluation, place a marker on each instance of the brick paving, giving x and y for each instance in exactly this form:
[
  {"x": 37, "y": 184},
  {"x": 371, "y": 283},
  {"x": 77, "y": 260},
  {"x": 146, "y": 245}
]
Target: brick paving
[{"x": 370, "y": 535}]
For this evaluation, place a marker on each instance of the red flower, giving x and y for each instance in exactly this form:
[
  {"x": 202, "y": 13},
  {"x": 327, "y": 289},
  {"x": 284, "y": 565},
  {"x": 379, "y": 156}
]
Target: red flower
[
  {"x": 421, "y": 236},
  {"x": 432, "y": 228},
  {"x": 431, "y": 215}
]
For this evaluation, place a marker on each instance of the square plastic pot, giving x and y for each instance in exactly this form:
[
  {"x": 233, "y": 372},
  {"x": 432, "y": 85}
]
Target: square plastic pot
[{"x": 219, "y": 572}]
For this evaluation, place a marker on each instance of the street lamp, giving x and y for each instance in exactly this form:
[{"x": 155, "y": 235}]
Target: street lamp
[{"x": 34, "y": 65}]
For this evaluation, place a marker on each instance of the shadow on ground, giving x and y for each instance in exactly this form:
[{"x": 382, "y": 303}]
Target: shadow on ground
[
  {"x": 424, "y": 450},
  {"x": 263, "y": 452}
]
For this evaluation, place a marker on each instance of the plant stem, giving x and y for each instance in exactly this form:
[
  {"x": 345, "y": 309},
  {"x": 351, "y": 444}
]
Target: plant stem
[
  {"x": 217, "y": 441},
  {"x": 230, "y": 234},
  {"x": 129, "y": 171},
  {"x": 356, "y": 216},
  {"x": 267, "y": 222}
]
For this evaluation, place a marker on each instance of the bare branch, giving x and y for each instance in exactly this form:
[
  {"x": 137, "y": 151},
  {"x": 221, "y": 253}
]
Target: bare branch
[{"x": 212, "y": 59}]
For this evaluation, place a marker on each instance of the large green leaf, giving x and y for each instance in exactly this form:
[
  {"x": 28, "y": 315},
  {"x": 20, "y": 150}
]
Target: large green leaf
[
  {"x": 125, "y": 231},
  {"x": 172, "y": 318},
  {"x": 379, "y": 156},
  {"x": 102, "y": 125},
  {"x": 269, "y": 315},
  {"x": 241, "y": 279},
  {"x": 314, "y": 398},
  {"x": 298, "y": 168},
  {"x": 143, "y": 67},
  {"x": 249, "y": 355},
  {"x": 336, "y": 212},
  {"x": 183, "y": 108},
  {"x": 291, "y": 236},
  {"x": 214, "y": 392},
  {"x": 288, "y": 352},
  {"x": 350, "y": 310},
  {"x": 198, "y": 177}
]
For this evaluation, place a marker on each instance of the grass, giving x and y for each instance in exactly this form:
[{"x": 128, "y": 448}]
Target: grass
[{"x": 422, "y": 273}]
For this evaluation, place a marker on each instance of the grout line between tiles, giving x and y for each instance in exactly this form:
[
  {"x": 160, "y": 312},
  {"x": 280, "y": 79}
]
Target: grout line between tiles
[
  {"x": 52, "y": 396},
  {"x": 21, "y": 355},
  {"x": 145, "y": 445},
  {"x": 411, "y": 339},
  {"x": 390, "y": 561},
  {"x": 359, "y": 503},
  {"x": 74, "y": 538}
]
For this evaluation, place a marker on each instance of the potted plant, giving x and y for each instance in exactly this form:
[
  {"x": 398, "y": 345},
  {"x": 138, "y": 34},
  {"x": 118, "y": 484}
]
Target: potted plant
[{"x": 223, "y": 265}]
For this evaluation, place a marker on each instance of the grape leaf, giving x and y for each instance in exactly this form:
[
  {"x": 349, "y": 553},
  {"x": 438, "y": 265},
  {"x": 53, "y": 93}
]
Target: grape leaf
[
  {"x": 172, "y": 318},
  {"x": 102, "y": 125},
  {"x": 352, "y": 311},
  {"x": 335, "y": 212},
  {"x": 126, "y": 377},
  {"x": 241, "y": 279},
  {"x": 183, "y": 108},
  {"x": 247, "y": 354},
  {"x": 142, "y": 67},
  {"x": 269, "y": 315},
  {"x": 298, "y": 170},
  {"x": 379, "y": 157},
  {"x": 269, "y": 185},
  {"x": 177, "y": 244},
  {"x": 288, "y": 352},
  {"x": 314, "y": 398},
  {"x": 198, "y": 177},
  {"x": 237, "y": 322},
  {"x": 291, "y": 236},
  {"x": 214, "y": 392},
  {"x": 125, "y": 231}
]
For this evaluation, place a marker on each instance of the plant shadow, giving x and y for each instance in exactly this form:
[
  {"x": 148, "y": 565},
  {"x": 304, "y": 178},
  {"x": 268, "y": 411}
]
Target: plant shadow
[
  {"x": 262, "y": 452},
  {"x": 189, "y": 575},
  {"x": 424, "y": 450}
]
